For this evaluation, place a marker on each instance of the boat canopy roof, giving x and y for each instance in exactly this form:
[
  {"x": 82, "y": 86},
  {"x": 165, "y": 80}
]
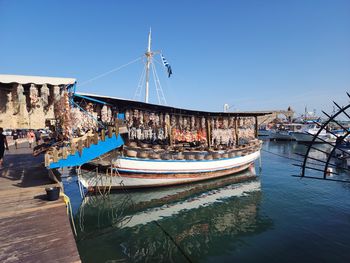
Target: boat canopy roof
[
  {"x": 123, "y": 104},
  {"x": 20, "y": 79}
]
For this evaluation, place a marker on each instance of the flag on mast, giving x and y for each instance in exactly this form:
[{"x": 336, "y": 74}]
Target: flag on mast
[{"x": 166, "y": 64}]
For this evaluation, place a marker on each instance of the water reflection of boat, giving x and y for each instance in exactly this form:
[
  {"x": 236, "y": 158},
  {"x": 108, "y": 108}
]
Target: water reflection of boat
[{"x": 196, "y": 215}]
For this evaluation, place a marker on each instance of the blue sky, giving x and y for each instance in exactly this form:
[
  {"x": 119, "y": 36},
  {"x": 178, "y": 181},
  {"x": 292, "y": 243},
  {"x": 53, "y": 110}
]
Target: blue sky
[{"x": 252, "y": 55}]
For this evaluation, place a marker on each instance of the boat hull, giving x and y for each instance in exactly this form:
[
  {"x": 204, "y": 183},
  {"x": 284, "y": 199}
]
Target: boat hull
[
  {"x": 281, "y": 136},
  {"x": 263, "y": 132},
  {"x": 307, "y": 138},
  {"x": 141, "y": 173}
]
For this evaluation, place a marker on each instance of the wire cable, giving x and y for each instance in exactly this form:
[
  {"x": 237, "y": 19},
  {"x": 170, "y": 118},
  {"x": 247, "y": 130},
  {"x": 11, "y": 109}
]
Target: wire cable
[{"x": 109, "y": 72}]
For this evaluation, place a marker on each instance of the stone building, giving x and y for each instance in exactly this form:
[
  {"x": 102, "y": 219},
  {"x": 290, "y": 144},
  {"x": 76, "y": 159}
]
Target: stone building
[{"x": 26, "y": 102}]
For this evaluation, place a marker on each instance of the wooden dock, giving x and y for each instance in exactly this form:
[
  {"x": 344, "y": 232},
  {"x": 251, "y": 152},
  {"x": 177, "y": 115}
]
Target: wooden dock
[{"x": 32, "y": 229}]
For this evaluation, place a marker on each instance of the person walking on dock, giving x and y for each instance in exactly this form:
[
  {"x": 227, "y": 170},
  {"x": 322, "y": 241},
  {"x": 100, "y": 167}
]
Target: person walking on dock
[
  {"x": 31, "y": 138},
  {"x": 37, "y": 137},
  {"x": 15, "y": 134},
  {"x": 3, "y": 146}
]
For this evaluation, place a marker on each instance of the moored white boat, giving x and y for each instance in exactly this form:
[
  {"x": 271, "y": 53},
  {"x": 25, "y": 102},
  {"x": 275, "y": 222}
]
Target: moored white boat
[
  {"x": 309, "y": 131},
  {"x": 284, "y": 131},
  {"x": 264, "y": 131},
  {"x": 136, "y": 172},
  {"x": 281, "y": 135}
]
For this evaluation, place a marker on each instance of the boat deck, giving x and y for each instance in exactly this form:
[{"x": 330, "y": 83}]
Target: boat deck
[{"x": 32, "y": 229}]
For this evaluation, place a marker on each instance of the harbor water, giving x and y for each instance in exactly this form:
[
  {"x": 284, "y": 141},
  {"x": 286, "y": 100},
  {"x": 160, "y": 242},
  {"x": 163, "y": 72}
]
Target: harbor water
[{"x": 274, "y": 218}]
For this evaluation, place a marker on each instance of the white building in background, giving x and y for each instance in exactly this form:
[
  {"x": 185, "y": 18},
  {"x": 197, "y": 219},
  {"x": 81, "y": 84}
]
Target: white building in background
[{"x": 26, "y": 102}]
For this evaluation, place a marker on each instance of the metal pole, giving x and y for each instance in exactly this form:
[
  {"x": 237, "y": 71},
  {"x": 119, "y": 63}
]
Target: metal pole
[{"x": 148, "y": 57}]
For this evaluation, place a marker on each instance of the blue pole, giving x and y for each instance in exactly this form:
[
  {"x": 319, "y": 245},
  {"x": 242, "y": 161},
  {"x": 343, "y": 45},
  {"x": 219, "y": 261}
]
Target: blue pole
[{"x": 95, "y": 100}]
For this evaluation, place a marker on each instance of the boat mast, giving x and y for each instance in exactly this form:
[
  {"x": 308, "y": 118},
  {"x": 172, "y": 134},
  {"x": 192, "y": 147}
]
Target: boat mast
[{"x": 149, "y": 55}]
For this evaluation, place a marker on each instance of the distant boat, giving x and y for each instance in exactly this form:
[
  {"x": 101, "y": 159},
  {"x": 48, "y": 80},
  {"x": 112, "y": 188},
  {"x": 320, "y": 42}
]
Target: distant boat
[
  {"x": 308, "y": 131},
  {"x": 264, "y": 131},
  {"x": 283, "y": 132}
]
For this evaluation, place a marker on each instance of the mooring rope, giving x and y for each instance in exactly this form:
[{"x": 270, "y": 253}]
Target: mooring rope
[
  {"x": 173, "y": 240},
  {"x": 69, "y": 210}
]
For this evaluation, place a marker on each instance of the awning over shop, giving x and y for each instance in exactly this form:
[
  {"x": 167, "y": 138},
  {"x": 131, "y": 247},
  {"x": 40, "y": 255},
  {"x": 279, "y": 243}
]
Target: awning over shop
[
  {"x": 123, "y": 104},
  {"x": 37, "y": 80}
]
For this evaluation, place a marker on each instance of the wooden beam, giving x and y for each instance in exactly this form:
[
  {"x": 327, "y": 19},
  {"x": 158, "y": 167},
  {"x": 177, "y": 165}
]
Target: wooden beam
[
  {"x": 170, "y": 135},
  {"x": 110, "y": 131},
  {"x": 95, "y": 138},
  {"x": 116, "y": 129},
  {"x": 55, "y": 155},
  {"x": 208, "y": 133},
  {"x": 103, "y": 135},
  {"x": 236, "y": 129}
]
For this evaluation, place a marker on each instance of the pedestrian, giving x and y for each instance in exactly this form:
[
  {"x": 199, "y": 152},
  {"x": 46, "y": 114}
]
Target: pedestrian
[
  {"x": 31, "y": 138},
  {"x": 37, "y": 137},
  {"x": 15, "y": 135},
  {"x": 3, "y": 146}
]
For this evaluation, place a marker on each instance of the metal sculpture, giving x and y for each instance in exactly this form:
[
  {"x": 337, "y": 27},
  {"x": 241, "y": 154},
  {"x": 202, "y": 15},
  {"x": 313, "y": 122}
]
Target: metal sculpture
[{"x": 332, "y": 161}]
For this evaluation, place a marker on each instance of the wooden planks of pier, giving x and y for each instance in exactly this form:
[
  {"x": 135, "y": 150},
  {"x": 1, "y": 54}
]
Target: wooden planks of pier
[{"x": 31, "y": 228}]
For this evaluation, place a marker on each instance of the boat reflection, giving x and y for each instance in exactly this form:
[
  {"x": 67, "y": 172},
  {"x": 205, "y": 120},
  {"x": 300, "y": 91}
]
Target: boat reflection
[{"x": 172, "y": 224}]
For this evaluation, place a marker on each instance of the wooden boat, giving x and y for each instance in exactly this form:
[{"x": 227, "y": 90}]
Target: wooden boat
[
  {"x": 136, "y": 172},
  {"x": 156, "y": 145},
  {"x": 174, "y": 146}
]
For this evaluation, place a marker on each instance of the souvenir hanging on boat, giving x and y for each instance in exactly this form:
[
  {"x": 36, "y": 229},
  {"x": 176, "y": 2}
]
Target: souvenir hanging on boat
[
  {"x": 173, "y": 121},
  {"x": 127, "y": 116},
  {"x": 161, "y": 119},
  {"x": 156, "y": 120},
  {"x": 141, "y": 118},
  {"x": 180, "y": 122},
  {"x": 231, "y": 122},
  {"x": 109, "y": 114},
  {"x": 203, "y": 123},
  {"x": 104, "y": 114},
  {"x": 65, "y": 116},
  {"x": 146, "y": 118}
]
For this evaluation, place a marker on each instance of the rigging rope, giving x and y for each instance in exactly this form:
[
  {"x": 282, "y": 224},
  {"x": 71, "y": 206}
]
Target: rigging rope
[
  {"x": 138, "y": 91},
  {"x": 110, "y": 71},
  {"x": 160, "y": 93}
]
